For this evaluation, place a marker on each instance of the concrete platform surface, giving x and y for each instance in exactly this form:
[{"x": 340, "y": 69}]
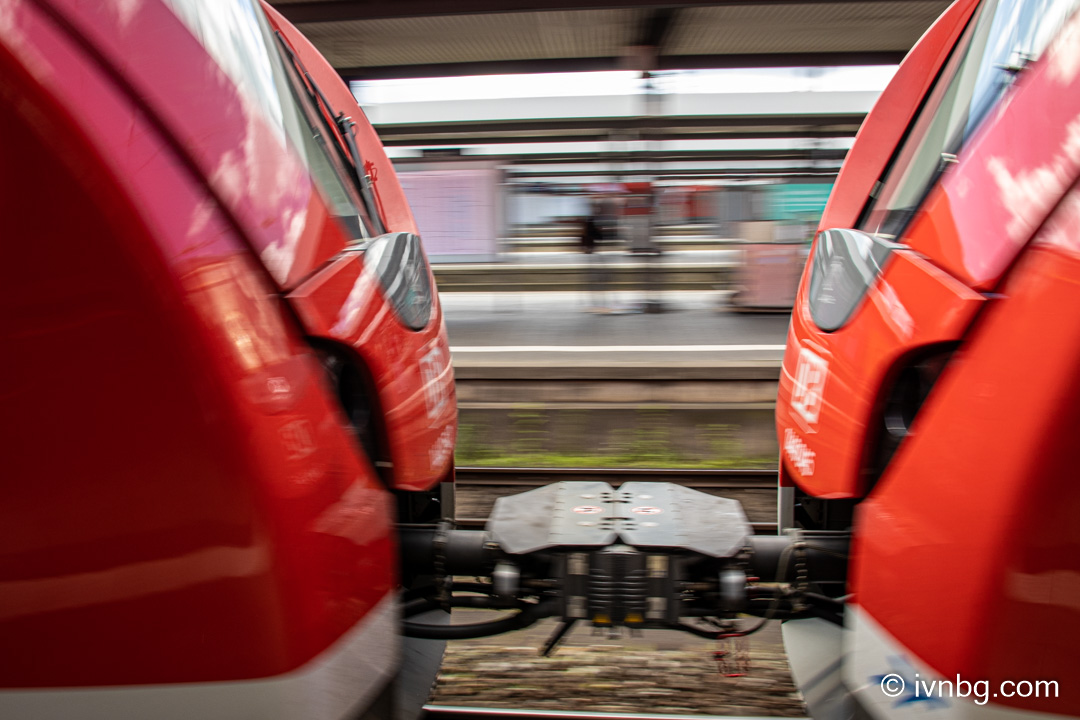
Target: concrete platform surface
[
  {"x": 712, "y": 256},
  {"x": 571, "y": 271},
  {"x": 696, "y": 329}
]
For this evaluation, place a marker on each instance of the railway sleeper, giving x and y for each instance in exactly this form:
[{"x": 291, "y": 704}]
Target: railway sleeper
[{"x": 645, "y": 555}]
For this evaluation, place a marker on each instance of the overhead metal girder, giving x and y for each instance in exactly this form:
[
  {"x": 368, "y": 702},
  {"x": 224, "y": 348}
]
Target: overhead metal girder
[
  {"x": 807, "y": 154},
  {"x": 750, "y": 122},
  {"x": 599, "y": 64},
  {"x": 741, "y": 173},
  {"x": 346, "y": 10},
  {"x": 656, "y": 28},
  {"x": 607, "y": 129},
  {"x": 603, "y": 135}
]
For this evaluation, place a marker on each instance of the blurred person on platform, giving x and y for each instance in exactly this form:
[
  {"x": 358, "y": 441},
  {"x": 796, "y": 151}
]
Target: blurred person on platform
[
  {"x": 606, "y": 212},
  {"x": 592, "y": 235}
]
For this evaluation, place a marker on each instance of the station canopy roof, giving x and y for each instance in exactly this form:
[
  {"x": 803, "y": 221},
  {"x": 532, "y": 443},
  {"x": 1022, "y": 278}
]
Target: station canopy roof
[
  {"x": 402, "y": 39},
  {"x": 374, "y": 39}
]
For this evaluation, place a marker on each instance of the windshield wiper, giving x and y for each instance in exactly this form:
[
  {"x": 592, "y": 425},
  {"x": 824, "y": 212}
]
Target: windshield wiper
[{"x": 345, "y": 127}]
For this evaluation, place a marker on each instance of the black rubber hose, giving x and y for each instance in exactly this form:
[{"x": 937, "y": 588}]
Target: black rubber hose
[
  {"x": 528, "y": 615},
  {"x": 422, "y": 605},
  {"x": 422, "y": 599},
  {"x": 474, "y": 587},
  {"x": 720, "y": 634},
  {"x": 700, "y": 632},
  {"x": 419, "y": 605},
  {"x": 826, "y": 608}
]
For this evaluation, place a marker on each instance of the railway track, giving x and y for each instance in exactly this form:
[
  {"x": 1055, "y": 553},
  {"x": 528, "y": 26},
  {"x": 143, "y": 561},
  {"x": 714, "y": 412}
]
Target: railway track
[
  {"x": 479, "y": 487},
  {"x": 444, "y": 712}
]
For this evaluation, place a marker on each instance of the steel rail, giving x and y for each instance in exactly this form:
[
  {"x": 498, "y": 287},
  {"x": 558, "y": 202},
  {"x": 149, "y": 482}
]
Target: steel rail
[
  {"x": 447, "y": 712},
  {"x": 514, "y": 477}
]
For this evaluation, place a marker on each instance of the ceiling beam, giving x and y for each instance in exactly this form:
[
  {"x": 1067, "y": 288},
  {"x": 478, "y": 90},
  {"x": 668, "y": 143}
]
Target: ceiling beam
[
  {"x": 656, "y": 28},
  {"x": 523, "y": 161},
  {"x": 680, "y": 173},
  {"x": 604, "y": 136},
  {"x": 705, "y": 122},
  {"x": 595, "y": 64},
  {"x": 804, "y": 154},
  {"x": 347, "y": 10}
]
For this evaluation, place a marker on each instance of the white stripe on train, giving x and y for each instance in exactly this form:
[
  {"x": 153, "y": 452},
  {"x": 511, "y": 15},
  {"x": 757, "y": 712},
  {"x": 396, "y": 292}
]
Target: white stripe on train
[{"x": 336, "y": 684}]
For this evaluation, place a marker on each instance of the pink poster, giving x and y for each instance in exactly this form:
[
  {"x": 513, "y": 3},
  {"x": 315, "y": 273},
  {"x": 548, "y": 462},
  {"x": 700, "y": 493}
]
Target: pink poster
[{"x": 455, "y": 209}]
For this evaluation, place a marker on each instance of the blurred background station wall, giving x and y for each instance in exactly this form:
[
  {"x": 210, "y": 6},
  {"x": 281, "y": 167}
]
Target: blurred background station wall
[{"x": 682, "y": 145}]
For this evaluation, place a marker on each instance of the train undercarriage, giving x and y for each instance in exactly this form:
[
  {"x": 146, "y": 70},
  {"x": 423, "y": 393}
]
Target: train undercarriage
[{"x": 645, "y": 555}]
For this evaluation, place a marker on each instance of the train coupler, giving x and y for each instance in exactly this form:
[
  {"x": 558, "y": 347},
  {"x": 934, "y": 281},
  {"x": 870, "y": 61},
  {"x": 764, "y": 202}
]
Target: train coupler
[
  {"x": 621, "y": 557},
  {"x": 644, "y": 555}
]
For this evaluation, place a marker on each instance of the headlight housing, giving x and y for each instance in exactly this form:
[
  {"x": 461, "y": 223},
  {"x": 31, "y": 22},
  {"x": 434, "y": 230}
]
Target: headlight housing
[
  {"x": 399, "y": 262},
  {"x": 845, "y": 264}
]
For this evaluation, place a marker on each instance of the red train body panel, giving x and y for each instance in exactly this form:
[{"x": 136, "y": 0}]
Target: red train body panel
[
  {"x": 342, "y": 302},
  {"x": 885, "y": 126},
  {"x": 389, "y": 196},
  {"x": 972, "y": 563},
  {"x": 935, "y": 418},
  {"x": 189, "y": 520}
]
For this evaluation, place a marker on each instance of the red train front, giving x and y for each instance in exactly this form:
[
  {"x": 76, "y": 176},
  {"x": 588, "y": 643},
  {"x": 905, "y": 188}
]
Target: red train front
[
  {"x": 928, "y": 399},
  {"x": 224, "y": 355}
]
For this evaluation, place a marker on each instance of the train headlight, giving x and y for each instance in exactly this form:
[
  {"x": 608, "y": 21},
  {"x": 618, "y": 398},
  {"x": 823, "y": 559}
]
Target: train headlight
[
  {"x": 402, "y": 269},
  {"x": 845, "y": 263}
]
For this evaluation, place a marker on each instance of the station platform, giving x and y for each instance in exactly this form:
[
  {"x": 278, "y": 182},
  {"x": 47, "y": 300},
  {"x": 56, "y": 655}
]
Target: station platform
[
  {"x": 543, "y": 377},
  {"x": 686, "y": 241},
  {"x": 632, "y": 332},
  {"x": 709, "y": 254},
  {"x": 550, "y": 271}
]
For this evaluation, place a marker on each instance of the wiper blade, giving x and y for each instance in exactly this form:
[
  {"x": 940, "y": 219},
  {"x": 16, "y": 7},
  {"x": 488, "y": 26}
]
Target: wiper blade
[{"x": 344, "y": 126}]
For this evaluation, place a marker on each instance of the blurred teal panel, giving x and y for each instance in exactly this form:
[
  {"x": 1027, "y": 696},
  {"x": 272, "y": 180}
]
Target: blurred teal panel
[{"x": 797, "y": 201}]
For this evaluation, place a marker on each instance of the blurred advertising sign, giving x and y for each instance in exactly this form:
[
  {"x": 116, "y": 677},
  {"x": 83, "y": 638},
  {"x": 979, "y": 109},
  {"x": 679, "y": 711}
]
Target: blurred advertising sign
[
  {"x": 768, "y": 277},
  {"x": 798, "y": 201},
  {"x": 457, "y": 208}
]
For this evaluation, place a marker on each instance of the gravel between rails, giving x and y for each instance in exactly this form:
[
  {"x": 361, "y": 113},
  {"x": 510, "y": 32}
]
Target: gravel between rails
[{"x": 655, "y": 672}]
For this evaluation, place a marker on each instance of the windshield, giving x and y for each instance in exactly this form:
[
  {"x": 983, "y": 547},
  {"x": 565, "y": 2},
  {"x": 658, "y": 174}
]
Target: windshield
[
  {"x": 236, "y": 35},
  {"x": 1004, "y": 36}
]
